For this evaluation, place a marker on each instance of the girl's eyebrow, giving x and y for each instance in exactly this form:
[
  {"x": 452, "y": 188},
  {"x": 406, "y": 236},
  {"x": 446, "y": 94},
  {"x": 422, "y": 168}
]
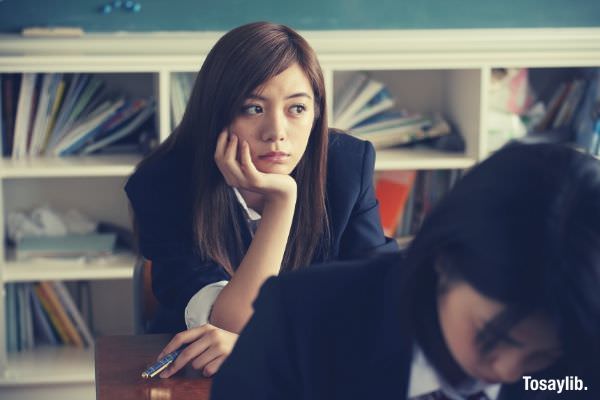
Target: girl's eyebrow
[{"x": 291, "y": 96}]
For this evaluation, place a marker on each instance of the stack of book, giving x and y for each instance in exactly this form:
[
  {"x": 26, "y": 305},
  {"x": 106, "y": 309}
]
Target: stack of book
[
  {"x": 365, "y": 108},
  {"x": 62, "y": 115},
  {"x": 43, "y": 313}
]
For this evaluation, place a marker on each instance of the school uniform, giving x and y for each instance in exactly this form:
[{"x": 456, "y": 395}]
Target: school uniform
[
  {"x": 335, "y": 333},
  {"x": 160, "y": 194}
]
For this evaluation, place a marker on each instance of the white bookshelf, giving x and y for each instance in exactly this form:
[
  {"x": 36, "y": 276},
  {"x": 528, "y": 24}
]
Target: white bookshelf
[
  {"x": 442, "y": 70},
  {"x": 83, "y": 166}
]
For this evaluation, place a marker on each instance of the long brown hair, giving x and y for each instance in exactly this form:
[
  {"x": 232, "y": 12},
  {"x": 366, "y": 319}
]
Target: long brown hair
[{"x": 240, "y": 61}]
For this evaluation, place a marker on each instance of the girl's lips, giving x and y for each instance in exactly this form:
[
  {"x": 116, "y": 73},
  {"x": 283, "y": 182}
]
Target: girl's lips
[{"x": 275, "y": 157}]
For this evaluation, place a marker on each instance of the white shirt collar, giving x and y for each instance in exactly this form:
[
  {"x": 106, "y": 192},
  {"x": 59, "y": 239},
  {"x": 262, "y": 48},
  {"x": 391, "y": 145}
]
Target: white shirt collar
[
  {"x": 252, "y": 214},
  {"x": 424, "y": 379}
]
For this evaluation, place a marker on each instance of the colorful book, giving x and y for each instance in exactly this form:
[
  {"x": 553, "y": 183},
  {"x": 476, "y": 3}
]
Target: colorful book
[
  {"x": 362, "y": 98},
  {"x": 405, "y": 134},
  {"x": 85, "y": 129},
  {"x": 392, "y": 190},
  {"x": 52, "y": 314},
  {"x": 126, "y": 130},
  {"x": 73, "y": 313},
  {"x": 71, "y": 331},
  {"x": 381, "y": 102},
  {"x": 42, "y": 320},
  {"x": 348, "y": 93}
]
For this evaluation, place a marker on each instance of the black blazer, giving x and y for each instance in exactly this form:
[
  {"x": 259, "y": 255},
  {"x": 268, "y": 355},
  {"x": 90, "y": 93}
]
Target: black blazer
[
  {"x": 161, "y": 197},
  {"x": 330, "y": 333}
]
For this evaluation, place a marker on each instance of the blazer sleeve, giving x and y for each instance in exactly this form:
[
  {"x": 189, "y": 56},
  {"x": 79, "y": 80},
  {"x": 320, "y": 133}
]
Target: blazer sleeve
[
  {"x": 364, "y": 235},
  {"x": 164, "y": 237},
  {"x": 261, "y": 365}
]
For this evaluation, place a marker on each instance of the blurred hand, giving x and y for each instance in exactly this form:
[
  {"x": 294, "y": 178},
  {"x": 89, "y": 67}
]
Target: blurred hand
[{"x": 208, "y": 346}]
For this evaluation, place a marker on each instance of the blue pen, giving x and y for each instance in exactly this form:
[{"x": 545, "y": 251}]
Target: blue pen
[{"x": 161, "y": 364}]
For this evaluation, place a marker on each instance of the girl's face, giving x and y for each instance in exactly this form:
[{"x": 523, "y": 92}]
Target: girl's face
[
  {"x": 276, "y": 121},
  {"x": 529, "y": 346}
]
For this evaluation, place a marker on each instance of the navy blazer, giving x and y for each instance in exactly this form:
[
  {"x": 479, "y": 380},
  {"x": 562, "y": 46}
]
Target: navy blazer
[
  {"x": 331, "y": 333},
  {"x": 161, "y": 198}
]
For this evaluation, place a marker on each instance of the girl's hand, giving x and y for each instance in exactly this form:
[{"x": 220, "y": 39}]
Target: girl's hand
[
  {"x": 208, "y": 347},
  {"x": 243, "y": 174}
]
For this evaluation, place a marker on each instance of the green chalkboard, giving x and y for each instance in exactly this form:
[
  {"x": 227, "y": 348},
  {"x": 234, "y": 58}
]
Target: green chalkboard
[{"x": 219, "y": 15}]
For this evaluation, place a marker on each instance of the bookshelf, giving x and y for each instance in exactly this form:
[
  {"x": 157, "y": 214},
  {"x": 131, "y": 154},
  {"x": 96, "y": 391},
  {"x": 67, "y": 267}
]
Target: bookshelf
[{"x": 443, "y": 70}]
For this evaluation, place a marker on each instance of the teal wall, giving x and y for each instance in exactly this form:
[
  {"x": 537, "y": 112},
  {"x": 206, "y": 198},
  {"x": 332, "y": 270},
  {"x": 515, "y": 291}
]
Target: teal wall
[{"x": 186, "y": 15}]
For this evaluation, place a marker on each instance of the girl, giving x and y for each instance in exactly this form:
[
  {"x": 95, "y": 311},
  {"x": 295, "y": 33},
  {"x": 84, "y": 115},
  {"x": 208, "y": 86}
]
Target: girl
[
  {"x": 496, "y": 298},
  {"x": 251, "y": 183}
]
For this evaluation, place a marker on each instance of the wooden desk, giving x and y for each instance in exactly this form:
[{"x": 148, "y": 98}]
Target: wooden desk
[{"x": 120, "y": 361}]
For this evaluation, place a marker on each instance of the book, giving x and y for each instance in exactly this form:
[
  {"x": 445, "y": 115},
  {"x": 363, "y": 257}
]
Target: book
[
  {"x": 42, "y": 321},
  {"x": 74, "y": 87},
  {"x": 429, "y": 128},
  {"x": 553, "y": 106},
  {"x": 85, "y": 129},
  {"x": 72, "y": 333},
  {"x": 348, "y": 93},
  {"x": 129, "y": 128},
  {"x": 391, "y": 190},
  {"x": 382, "y": 101},
  {"x": 52, "y": 314},
  {"x": 584, "y": 125},
  {"x": 93, "y": 244},
  {"x": 23, "y": 114},
  {"x": 41, "y": 116},
  {"x": 25, "y": 317},
  {"x": 2, "y": 133},
  {"x": 73, "y": 313},
  {"x": 367, "y": 91},
  {"x": 12, "y": 327},
  {"x": 56, "y": 103},
  {"x": 569, "y": 105},
  {"x": 388, "y": 119}
]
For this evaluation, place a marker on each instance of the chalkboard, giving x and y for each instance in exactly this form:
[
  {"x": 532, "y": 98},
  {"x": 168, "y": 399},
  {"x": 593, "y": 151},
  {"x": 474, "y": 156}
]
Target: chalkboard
[{"x": 221, "y": 15}]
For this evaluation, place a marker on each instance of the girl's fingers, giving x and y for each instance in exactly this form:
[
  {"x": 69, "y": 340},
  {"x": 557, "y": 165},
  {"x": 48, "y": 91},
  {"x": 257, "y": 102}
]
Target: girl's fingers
[
  {"x": 207, "y": 356},
  {"x": 213, "y": 367},
  {"x": 182, "y": 338},
  {"x": 248, "y": 167},
  {"x": 191, "y": 352},
  {"x": 231, "y": 149},
  {"x": 221, "y": 144}
]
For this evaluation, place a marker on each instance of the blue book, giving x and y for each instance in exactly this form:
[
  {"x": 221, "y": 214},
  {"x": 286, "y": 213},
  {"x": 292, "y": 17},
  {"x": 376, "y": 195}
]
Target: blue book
[
  {"x": 42, "y": 321},
  {"x": 124, "y": 131},
  {"x": 2, "y": 133},
  {"x": 12, "y": 323}
]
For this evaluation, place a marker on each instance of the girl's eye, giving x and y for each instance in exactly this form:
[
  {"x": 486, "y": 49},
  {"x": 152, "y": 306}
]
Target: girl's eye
[
  {"x": 298, "y": 108},
  {"x": 252, "y": 109}
]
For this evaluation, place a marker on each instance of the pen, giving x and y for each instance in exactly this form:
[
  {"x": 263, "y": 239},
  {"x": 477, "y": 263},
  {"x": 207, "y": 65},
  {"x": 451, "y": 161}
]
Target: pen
[{"x": 161, "y": 364}]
